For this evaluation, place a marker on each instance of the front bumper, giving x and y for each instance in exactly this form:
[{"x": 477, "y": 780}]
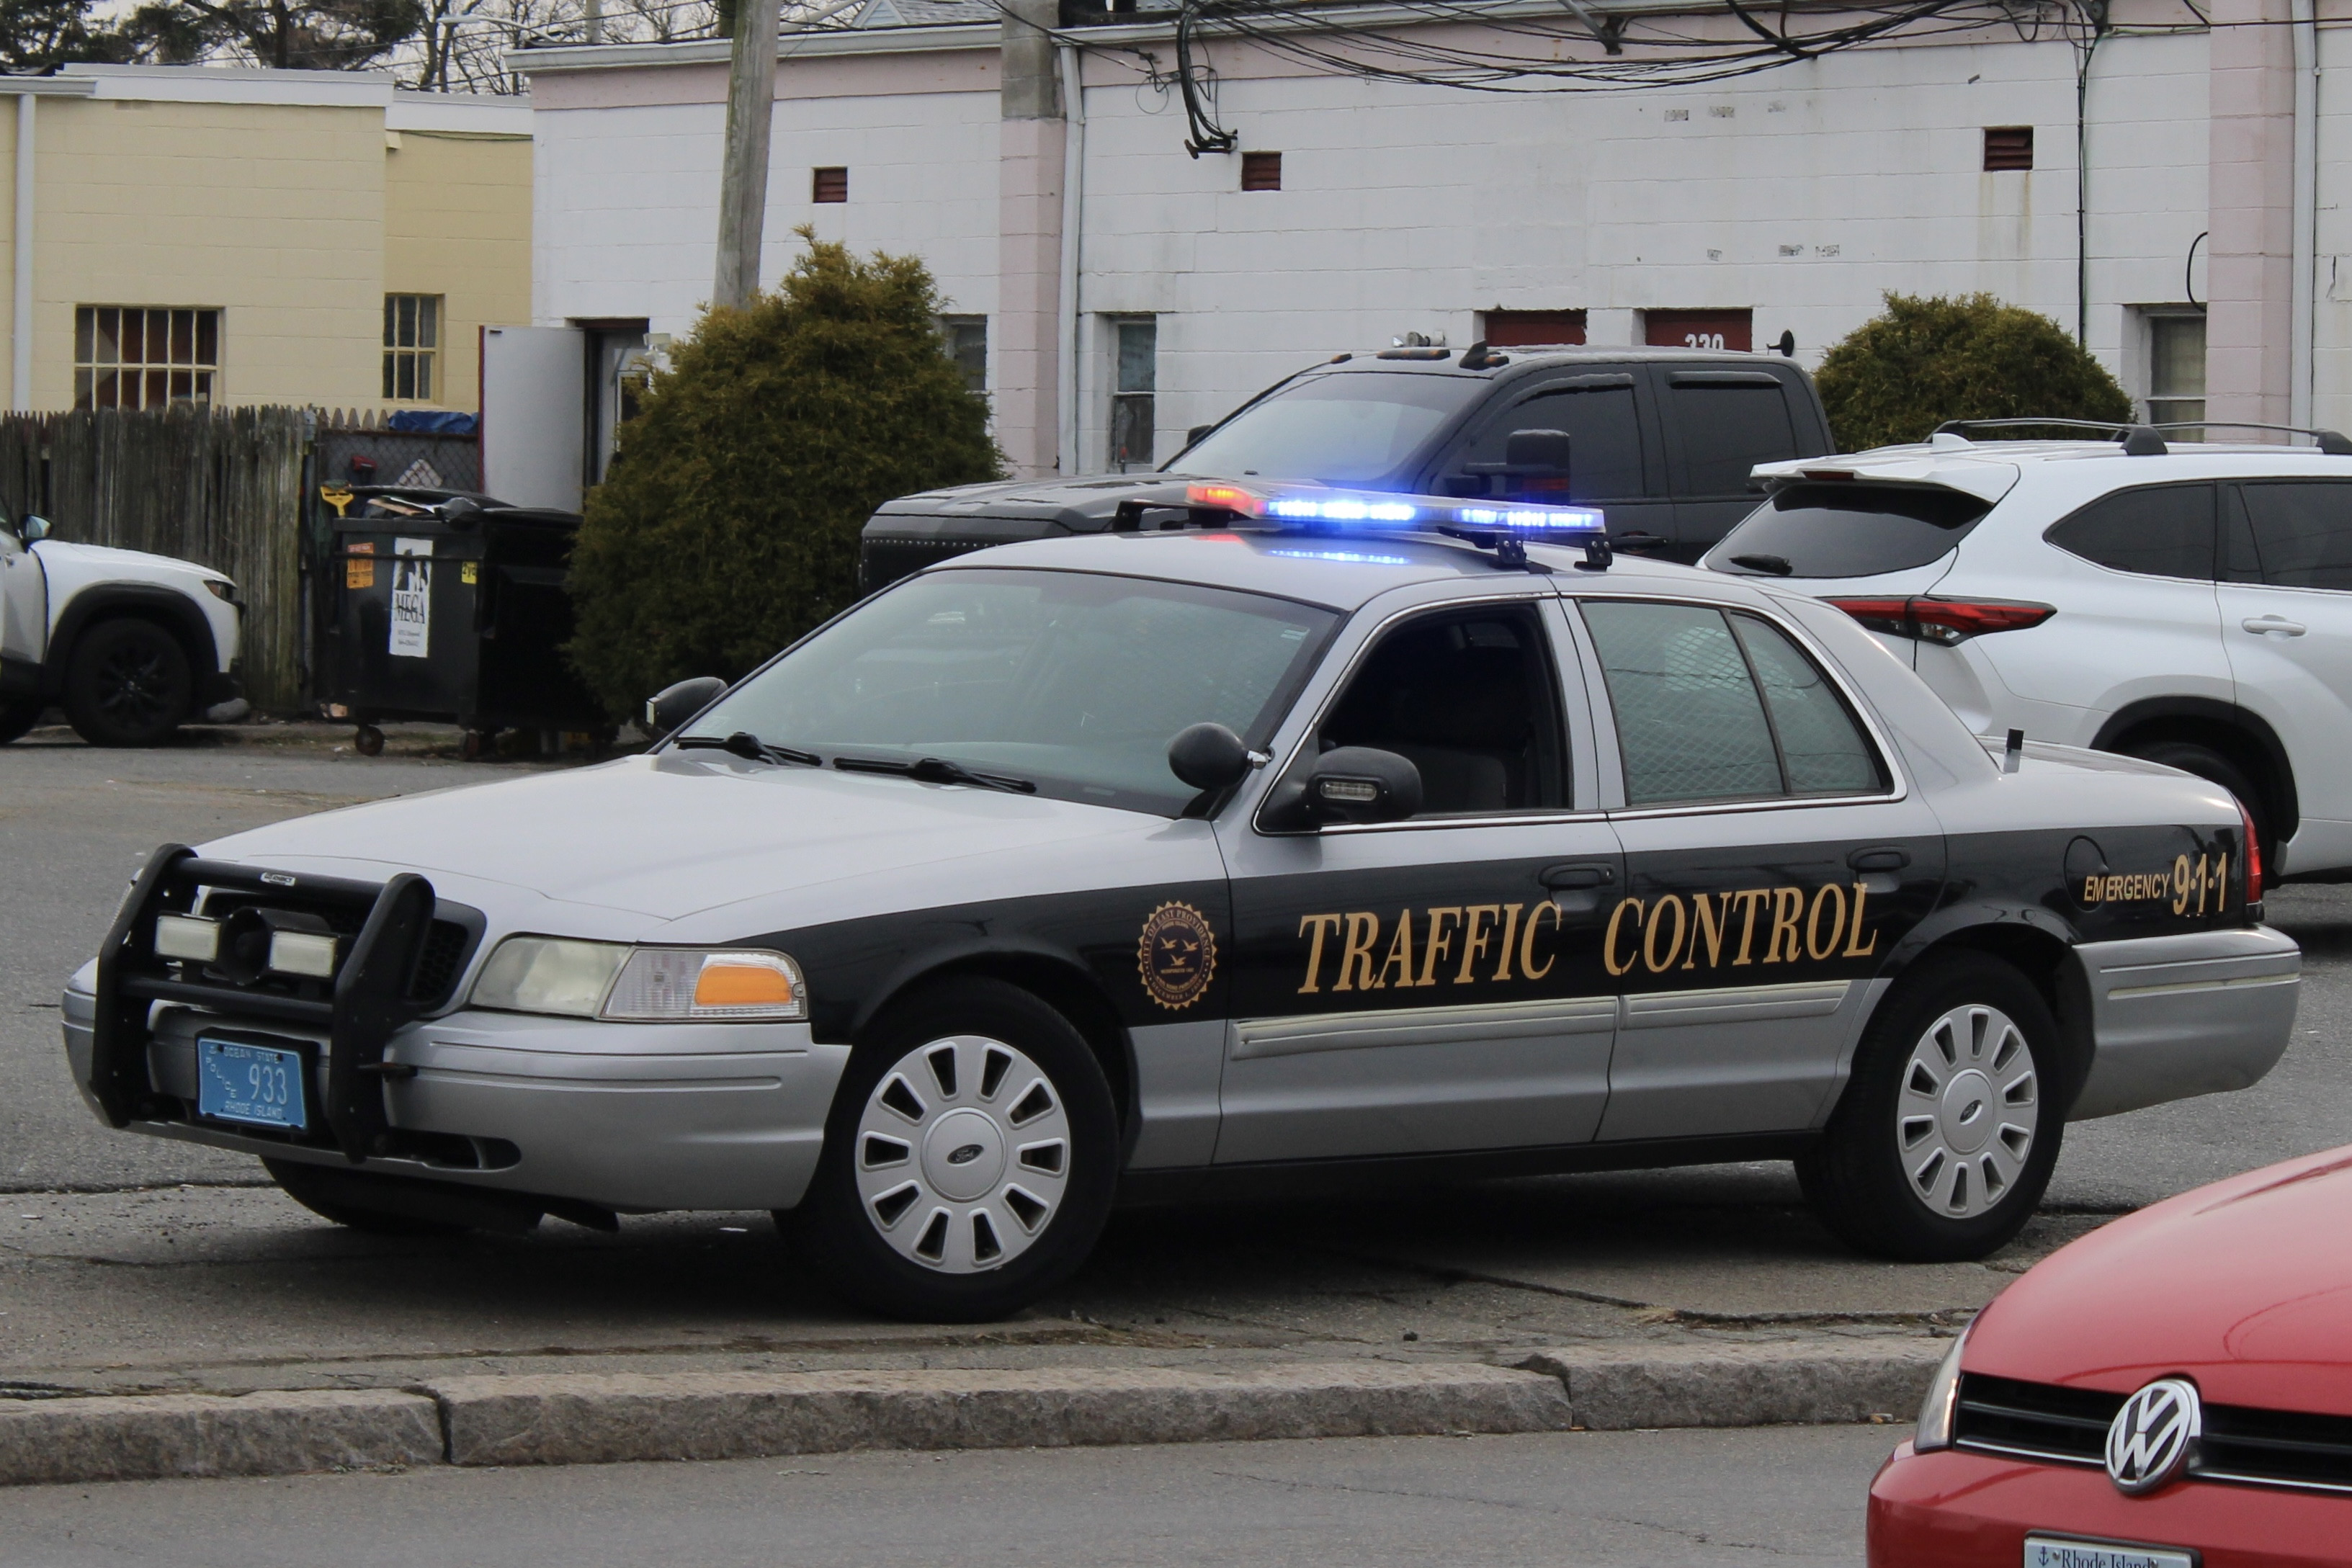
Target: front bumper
[
  {"x": 625, "y": 1116},
  {"x": 2192, "y": 1014},
  {"x": 1954, "y": 1508}
]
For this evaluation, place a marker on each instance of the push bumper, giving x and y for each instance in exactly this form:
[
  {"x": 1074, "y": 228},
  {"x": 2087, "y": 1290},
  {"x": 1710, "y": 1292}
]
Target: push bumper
[
  {"x": 2192, "y": 1014},
  {"x": 1953, "y": 1509}
]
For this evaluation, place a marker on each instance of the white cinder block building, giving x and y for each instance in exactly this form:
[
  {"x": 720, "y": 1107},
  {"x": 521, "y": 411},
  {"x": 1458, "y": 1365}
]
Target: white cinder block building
[{"x": 1118, "y": 289}]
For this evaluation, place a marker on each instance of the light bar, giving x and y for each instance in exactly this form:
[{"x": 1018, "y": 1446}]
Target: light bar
[{"x": 1278, "y": 501}]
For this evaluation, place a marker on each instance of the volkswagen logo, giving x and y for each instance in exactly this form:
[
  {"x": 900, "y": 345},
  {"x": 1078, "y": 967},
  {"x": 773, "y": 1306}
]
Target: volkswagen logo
[{"x": 2154, "y": 1436}]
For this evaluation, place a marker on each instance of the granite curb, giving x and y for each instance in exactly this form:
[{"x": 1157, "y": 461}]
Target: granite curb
[{"x": 604, "y": 1418}]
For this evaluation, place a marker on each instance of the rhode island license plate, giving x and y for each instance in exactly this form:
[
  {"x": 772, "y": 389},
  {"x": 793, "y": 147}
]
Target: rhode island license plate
[
  {"x": 2041, "y": 1552},
  {"x": 261, "y": 1084}
]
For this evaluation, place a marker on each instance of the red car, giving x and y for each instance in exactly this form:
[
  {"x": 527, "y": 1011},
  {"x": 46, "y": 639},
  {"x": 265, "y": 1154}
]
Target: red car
[{"x": 2172, "y": 1391}]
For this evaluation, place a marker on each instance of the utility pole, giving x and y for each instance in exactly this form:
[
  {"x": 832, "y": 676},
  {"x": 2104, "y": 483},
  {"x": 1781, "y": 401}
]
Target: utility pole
[{"x": 743, "y": 177}]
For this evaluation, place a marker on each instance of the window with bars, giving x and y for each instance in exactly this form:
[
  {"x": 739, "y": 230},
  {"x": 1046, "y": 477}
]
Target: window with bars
[
  {"x": 412, "y": 343},
  {"x": 2175, "y": 372},
  {"x": 2008, "y": 147},
  {"x": 829, "y": 185},
  {"x": 138, "y": 356},
  {"x": 1134, "y": 402},
  {"x": 1261, "y": 171}
]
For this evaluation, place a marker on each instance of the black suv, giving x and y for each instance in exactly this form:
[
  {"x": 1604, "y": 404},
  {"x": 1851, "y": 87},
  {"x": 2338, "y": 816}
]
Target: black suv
[{"x": 1660, "y": 439}]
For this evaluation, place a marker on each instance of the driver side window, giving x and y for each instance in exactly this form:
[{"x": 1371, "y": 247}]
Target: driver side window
[{"x": 1469, "y": 699}]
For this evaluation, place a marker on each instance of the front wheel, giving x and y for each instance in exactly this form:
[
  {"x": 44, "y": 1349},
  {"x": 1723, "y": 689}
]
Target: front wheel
[
  {"x": 127, "y": 685},
  {"x": 969, "y": 1159},
  {"x": 1950, "y": 1125}
]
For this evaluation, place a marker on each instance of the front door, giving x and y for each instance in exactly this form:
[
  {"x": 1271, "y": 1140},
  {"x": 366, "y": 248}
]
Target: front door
[
  {"x": 2286, "y": 619},
  {"x": 24, "y": 613},
  {"x": 1773, "y": 861},
  {"x": 1432, "y": 985},
  {"x": 1615, "y": 459}
]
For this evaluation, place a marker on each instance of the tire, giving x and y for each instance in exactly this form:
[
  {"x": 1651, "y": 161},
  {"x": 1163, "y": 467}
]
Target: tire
[
  {"x": 969, "y": 1159},
  {"x": 311, "y": 1186},
  {"x": 2215, "y": 769},
  {"x": 368, "y": 740},
  {"x": 1949, "y": 1128},
  {"x": 16, "y": 718},
  {"x": 127, "y": 685}
]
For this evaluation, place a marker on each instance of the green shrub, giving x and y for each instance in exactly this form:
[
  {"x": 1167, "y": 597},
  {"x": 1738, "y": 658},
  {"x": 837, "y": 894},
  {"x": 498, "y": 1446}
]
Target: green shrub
[
  {"x": 729, "y": 523},
  {"x": 1897, "y": 376}
]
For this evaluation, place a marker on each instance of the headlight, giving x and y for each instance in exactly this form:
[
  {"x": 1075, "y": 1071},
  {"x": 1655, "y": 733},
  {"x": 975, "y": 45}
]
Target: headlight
[
  {"x": 546, "y": 975},
  {"x": 1936, "y": 1411},
  {"x": 642, "y": 985}
]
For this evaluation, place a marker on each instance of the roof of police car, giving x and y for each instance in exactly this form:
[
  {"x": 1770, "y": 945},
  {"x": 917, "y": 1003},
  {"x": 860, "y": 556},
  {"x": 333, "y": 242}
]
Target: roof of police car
[{"x": 1339, "y": 571}]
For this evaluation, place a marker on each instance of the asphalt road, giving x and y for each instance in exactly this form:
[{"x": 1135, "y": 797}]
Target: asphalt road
[
  {"x": 75, "y": 822},
  {"x": 1689, "y": 1498}
]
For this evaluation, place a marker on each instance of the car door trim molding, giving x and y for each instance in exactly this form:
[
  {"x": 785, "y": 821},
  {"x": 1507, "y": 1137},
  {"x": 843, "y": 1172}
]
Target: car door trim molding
[
  {"x": 1736, "y": 1004},
  {"x": 1476, "y": 1023}
]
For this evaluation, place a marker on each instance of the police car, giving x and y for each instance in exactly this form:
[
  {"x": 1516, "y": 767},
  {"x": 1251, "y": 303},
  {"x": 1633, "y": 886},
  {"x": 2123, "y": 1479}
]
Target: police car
[{"x": 1288, "y": 836}]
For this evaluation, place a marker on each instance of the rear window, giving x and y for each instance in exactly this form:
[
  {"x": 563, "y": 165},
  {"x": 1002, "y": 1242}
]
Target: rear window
[{"x": 1840, "y": 529}]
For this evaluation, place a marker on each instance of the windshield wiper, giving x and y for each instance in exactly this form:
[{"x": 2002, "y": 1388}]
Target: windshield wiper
[
  {"x": 935, "y": 770},
  {"x": 750, "y": 748},
  {"x": 1776, "y": 565}
]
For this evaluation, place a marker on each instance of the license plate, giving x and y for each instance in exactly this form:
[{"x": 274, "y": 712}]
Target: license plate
[
  {"x": 2041, "y": 1552},
  {"x": 260, "y": 1085}
]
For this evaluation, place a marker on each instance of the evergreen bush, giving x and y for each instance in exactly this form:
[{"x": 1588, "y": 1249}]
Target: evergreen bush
[
  {"x": 1897, "y": 376},
  {"x": 729, "y": 523}
]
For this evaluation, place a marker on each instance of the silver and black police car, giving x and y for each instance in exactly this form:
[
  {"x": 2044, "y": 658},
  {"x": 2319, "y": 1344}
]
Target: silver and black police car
[{"x": 1288, "y": 836}]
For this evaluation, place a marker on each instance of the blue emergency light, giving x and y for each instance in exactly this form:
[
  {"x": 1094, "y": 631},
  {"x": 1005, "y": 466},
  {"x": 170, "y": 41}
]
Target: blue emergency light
[{"x": 1504, "y": 527}]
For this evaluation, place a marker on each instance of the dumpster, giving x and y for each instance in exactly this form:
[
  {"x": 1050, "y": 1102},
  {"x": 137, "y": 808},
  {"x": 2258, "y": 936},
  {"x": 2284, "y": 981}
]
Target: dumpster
[{"x": 446, "y": 606}]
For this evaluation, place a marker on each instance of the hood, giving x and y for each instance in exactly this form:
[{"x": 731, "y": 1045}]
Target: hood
[
  {"x": 1075, "y": 505},
  {"x": 728, "y": 848},
  {"x": 2244, "y": 1286},
  {"x": 105, "y": 557}
]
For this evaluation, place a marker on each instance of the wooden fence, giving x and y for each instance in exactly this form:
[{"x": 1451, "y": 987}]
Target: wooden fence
[{"x": 224, "y": 487}]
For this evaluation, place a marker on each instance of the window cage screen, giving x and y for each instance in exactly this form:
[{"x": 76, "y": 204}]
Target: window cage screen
[
  {"x": 412, "y": 343},
  {"x": 829, "y": 185},
  {"x": 135, "y": 356},
  {"x": 1261, "y": 171}
]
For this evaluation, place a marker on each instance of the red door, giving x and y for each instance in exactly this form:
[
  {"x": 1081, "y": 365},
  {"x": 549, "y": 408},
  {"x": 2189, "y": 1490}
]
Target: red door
[
  {"x": 1518, "y": 329},
  {"x": 1699, "y": 330}
]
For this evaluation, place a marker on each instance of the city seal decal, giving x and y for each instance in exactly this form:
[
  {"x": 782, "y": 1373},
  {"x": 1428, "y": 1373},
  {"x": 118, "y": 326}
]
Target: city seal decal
[{"x": 1177, "y": 957}]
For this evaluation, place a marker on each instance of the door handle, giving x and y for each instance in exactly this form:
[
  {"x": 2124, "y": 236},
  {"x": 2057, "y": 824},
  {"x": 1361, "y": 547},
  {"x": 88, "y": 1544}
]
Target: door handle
[
  {"x": 2278, "y": 623},
  {"x": 1558, "y": 878},
  {"x": 1884, "y": 857}
]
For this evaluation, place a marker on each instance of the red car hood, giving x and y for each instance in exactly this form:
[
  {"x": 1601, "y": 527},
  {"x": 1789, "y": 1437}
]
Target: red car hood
[{"x": 2245, "y": 1286}]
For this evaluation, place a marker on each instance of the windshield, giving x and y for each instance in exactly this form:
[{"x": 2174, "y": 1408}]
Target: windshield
[
  {"x": 1841, "y": 528},
  {"x": 1074, "y": 683},
  {"x": 1343, "y": 428}
]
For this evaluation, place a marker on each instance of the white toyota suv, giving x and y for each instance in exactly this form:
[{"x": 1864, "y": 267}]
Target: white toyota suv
[
  {"x": 130, "y": 644},
  {"x": 2189, "y": 603}
]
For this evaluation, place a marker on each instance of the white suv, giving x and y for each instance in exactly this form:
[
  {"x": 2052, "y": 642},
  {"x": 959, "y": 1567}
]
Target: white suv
[
  {"x": 2188, "y": 603},
  {"x": 130, "y": 644}
]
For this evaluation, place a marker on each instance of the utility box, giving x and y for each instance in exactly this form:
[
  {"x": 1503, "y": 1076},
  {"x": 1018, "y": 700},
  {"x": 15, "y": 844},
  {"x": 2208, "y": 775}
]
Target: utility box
[{"x": 452, "y": 610}]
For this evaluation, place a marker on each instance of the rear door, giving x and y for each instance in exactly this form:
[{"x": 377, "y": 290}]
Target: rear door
[
  {"x": 2285, "y": 608},
  {"x": 1616, "y": 460},
  {"x": 1774, "y": 860},
  {"x": 1720, "y": 423}
]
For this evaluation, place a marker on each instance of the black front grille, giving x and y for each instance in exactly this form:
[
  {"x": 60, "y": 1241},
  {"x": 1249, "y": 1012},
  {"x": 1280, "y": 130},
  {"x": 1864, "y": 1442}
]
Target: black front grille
[
  {"x": 440, "y": 957},
  {"x": 2069, "y": 1425},
  {"x": 2275, "y": 1447},
  {"x": 2038, "y": 1420}
]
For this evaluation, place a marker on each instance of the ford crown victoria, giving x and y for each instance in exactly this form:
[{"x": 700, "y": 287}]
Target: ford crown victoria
[{"x": 1314, "y": 839}]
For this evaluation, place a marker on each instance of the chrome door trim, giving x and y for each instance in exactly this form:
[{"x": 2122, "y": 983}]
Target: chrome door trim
[
  {"x": 1736, "y": 1004},
  {"x": 1474, "y": 1023}
]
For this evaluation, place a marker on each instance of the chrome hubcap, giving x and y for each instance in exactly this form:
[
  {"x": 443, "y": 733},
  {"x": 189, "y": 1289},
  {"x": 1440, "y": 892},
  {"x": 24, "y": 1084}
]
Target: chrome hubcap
[
  {"x": 1964, "y": 1120},
  {"x": 963, "y": 1155}
]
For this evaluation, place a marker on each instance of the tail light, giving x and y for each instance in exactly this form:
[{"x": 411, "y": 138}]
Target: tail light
[
  {"x": 1944, "y": 621},
  {"x": 2252, "y": 856}
]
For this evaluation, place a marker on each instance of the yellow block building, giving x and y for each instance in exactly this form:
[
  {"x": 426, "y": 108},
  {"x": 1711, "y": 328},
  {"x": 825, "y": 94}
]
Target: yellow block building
[{"x": 257, "y": 236}]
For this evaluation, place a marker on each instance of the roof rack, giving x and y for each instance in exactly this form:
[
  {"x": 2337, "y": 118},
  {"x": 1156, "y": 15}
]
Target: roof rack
[{"x": 2147, "y": 440}]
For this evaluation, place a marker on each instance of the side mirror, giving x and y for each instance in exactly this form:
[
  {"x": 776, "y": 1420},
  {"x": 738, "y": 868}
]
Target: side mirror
[
  {"x": 1361, "y": 784},
  {"x": 1192, "y": 436},
  {"x": 672, "y": 705},
  {"x": 35, "y": 530},
  {"x": 1209, "y": 756},
  {"x": 1537, "y": 454}
]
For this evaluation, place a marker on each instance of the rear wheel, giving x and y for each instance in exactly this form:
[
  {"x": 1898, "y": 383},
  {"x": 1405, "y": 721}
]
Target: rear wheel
[
  {"x": 2215, "y": 769},
  {"x": 969, "y": 1159},
  {"x": 1950, "y": 1125},
  {"x": 341, "y": 1195},
  {"x": 16, "y": 718},
  {"x": 127, "y": 685}
]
